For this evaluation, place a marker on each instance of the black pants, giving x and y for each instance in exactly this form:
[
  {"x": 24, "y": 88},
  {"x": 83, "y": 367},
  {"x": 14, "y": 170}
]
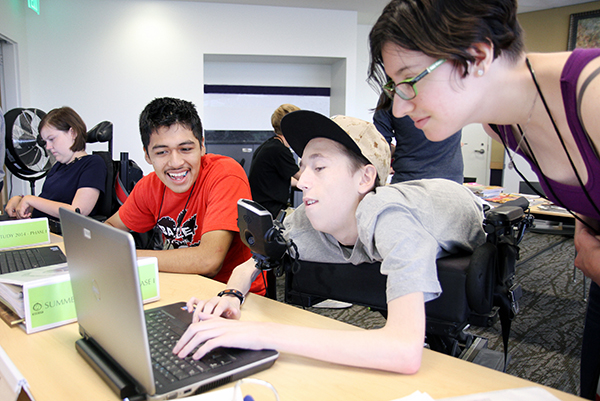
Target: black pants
[{"x": 590, "y": 351}]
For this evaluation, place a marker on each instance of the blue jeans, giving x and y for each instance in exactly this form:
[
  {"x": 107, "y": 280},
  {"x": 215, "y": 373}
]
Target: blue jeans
[{"x": 590, "y": 350}]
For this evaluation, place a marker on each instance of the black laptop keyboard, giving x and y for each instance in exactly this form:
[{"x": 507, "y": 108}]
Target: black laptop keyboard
[
  {"x": 18, "y": 260},
  {"x": 163, "y": 334}
]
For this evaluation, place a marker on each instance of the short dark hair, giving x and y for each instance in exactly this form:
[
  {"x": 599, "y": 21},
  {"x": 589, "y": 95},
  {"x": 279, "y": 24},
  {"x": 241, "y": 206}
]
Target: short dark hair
[
  {"x": 63, "y": 119},
  {"x": 166, "y": 111},
  {"x": 445, "y": 29}
]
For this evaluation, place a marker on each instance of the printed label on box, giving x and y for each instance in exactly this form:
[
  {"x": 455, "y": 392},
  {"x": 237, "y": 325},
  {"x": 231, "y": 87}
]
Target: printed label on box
[
  {"x": 50, "y": 303},
  {"x": 24, "y": 232},
  {"x": 148, "y": 275}
]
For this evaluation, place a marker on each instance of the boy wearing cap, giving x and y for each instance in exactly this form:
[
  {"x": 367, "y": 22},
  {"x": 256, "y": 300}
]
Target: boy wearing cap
[{"x": 348, "y": 216}]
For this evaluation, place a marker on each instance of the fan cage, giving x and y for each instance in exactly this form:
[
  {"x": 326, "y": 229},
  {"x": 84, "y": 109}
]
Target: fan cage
[{"x": 26, "y": 156}]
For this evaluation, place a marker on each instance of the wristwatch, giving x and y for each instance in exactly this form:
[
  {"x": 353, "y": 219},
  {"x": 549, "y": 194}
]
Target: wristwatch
[{"x": 234, "y": 293}]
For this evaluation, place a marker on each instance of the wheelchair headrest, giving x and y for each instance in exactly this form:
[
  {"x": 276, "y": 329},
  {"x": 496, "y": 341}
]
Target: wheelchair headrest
[{"x": 102, "y": 132}]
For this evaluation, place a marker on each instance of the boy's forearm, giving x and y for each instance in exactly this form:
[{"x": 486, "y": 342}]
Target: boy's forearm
[
  {"x": 184, "y": 260},
  {"x": 373, "y": 349},
  {"x": 243, "y": 276}
]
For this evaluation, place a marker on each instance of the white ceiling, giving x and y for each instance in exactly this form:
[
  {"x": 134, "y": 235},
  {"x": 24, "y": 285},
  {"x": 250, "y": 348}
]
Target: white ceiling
[{"x": 369, "y": 10}]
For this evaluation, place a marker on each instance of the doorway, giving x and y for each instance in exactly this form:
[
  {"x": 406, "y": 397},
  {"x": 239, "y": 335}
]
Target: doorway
[
  {"x": 3, "y": 196},
  {"x": 476, "y": 150},
  {"x": 9, "y": 99}
]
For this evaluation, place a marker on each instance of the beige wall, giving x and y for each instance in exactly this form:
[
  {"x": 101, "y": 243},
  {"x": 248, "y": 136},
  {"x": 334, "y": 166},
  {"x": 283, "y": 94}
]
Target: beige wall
[{"x": 548, "y": 30}]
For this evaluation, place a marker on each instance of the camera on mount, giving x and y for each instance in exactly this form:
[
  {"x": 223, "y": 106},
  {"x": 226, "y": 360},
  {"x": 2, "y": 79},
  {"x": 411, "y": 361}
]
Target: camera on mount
[{"x": 264, "y": 236}]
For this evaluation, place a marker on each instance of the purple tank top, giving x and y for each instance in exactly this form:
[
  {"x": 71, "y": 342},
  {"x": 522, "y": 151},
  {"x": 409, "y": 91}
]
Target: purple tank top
[{"x": 571, "y": 197}]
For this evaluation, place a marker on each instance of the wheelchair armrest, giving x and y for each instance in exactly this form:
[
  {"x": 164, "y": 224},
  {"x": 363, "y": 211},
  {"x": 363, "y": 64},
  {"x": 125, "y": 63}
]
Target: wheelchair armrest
[
  {"x": 453, "y": 303},
  {"x": 480, "y": 279},
  {"x": 503, "y": 216}
]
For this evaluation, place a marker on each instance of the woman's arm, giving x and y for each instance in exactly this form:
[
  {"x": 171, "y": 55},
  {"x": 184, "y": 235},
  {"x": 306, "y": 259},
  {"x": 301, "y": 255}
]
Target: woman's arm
[
  {"x": 85, "y": 199},
  {"x": 12, "y": 204},
  {"x": 397, "y": 347},
  {"x": 587, "y": 244}
]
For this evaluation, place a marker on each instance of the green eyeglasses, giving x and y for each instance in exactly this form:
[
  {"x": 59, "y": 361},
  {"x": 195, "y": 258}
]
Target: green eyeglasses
[{"x": 406, "y": 89}]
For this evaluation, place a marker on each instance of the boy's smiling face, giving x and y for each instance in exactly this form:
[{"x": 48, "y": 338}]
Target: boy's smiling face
[
  {"x": 175, "y": 154},
  {"x": 331, "y": 191}
]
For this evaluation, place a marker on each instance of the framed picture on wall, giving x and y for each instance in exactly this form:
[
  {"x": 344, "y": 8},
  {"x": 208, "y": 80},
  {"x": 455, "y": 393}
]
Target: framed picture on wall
[{"x": 584, "y": 30}]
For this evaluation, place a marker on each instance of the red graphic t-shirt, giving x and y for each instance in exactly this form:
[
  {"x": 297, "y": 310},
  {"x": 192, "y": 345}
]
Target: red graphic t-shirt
[{"x": 211, "y": 205}]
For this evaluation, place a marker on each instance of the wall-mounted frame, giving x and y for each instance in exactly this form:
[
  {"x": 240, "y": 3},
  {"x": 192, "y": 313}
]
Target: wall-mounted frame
[{"x": 584, "y": 30}]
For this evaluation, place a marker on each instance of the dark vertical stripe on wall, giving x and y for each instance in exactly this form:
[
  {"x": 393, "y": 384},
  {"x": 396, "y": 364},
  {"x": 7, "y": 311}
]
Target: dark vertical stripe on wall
[{"x": 266, "y": 90}]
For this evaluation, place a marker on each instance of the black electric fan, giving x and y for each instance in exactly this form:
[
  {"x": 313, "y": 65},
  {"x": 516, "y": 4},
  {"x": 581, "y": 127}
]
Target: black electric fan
[{"x": 26, "y": 155}]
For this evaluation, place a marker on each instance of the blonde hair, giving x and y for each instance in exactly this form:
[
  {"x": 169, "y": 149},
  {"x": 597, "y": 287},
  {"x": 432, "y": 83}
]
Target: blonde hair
[{"x": 279, "y": 114}]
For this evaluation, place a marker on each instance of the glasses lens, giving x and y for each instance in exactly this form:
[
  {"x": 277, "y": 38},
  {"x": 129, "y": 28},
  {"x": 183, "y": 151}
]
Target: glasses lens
[{"x": 406, "y": 90}]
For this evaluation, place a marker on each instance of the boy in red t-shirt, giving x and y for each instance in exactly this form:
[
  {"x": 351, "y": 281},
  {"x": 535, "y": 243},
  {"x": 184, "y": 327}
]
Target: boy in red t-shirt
[{"x": 191, "y": 196}]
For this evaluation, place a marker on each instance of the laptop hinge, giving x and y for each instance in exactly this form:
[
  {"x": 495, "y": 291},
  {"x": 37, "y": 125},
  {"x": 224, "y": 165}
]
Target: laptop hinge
[{"x": 110, "y": 373}]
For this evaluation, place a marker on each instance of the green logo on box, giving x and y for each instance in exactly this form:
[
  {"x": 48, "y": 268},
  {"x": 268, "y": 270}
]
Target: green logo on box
[{"x": 51, "y": 303}]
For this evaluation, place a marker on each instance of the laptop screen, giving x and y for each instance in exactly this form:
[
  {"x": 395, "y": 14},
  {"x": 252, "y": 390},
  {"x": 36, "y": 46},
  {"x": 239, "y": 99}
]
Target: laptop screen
[{"x": 107, "y": 294}]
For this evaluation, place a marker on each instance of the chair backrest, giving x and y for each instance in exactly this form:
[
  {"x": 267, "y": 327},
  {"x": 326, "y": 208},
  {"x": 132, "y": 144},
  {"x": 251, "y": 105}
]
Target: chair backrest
[
  {"x": 105, "y": 202},
  {"x": 103, "y": 133},
  {"x": 122, "y": 175},
  {"x": 358, "y": 284},
  {"x": 364, "y": 285},
  {"x": 127, "y": 174}
]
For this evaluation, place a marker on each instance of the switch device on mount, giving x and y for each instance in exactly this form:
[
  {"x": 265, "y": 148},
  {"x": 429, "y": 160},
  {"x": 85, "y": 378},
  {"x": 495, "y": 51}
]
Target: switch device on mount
[{"x": 264, "y": 237}]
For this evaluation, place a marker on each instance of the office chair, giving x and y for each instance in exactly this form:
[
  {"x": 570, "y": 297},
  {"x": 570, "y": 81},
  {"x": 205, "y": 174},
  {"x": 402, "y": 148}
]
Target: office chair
[
  {"x": 121, "y": 177},
  {"x": 122, "y": 174},
  {"x": 478, "y": 288}
]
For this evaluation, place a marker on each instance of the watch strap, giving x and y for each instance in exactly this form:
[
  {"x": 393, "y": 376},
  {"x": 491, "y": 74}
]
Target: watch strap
[{"x": 232, "y": 292}]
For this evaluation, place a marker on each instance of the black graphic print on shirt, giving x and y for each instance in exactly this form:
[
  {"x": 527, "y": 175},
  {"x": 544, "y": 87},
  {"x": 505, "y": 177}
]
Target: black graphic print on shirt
[{"x": 179, "y": 235}]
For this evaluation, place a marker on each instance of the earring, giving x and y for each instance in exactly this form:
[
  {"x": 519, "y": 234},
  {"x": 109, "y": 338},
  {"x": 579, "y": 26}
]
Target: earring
[{"x": 480, "y": 73}]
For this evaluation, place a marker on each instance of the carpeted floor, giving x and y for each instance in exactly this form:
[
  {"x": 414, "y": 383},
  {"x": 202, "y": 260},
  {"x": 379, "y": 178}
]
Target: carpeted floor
[{"x": 545, "y": 338}]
